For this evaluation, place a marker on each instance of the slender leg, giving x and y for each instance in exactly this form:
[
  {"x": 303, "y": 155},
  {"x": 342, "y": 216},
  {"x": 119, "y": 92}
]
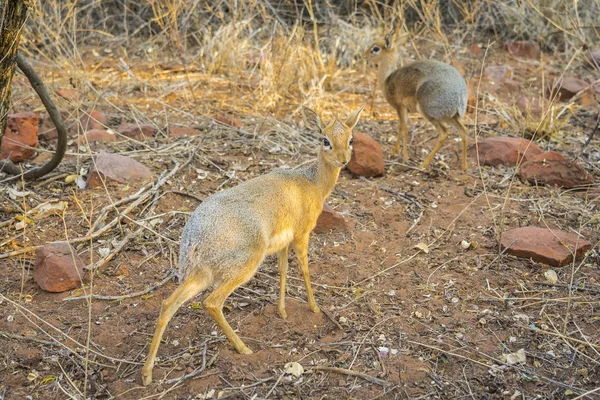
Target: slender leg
[
  {"x": 214, "y": 302},
  {"x": 193, "y": 285},
  {"x": 301, "y": 250},
  {"x": 402, "y": 132},
  {"x": 462, "y": 131},
  {"x": 282, "y": 260},
  {"x": 443, "y": 135}
]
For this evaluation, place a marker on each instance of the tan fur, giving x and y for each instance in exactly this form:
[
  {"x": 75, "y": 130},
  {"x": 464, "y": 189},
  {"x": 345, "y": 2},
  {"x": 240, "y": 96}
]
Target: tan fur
[
  {"x": 229, "y": 234},
  {"x": 434, "y": 89}
]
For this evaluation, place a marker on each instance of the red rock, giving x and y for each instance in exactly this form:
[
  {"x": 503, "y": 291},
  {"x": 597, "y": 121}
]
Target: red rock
[
  {"x": 330, "y": 220},
  {"x": 595, "y": 59},
  {"x": 136, "y": 131},
  {"x": 567, "y": 88},
  {"x": 549, "y": 155},
  {"x": 95, "y": 135},
  {"x": 476, "y": 51},
  {"x": 68, "y": 94},
  {"x": 510, "y": 87},
  {"x": 227, "y": 120},
  {"x": 117, "y": 168},
  {"x": 501, "y": 150},
  {"x": 367, "y": 156},
  {"x": 553, "y": 169},
  {"x": 47, "y": 130},
  {"x": 58, "y": 268},
  {"x": 524, "y": 48},
  {"x": 529, "y": 105},
  {"x": 498, "y": 73},
  {"x": 93, "y": 120},
  {"x": 181, "y": 131},
  {"x": 21, "y": 131},
  {"x": 548, "y": 246}
]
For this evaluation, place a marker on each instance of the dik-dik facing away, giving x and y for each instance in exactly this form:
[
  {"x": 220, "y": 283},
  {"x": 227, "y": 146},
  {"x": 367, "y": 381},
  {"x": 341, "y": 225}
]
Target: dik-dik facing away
[
  {"x": 435, "y": 89},
  {"x": 231, "y": 232}
]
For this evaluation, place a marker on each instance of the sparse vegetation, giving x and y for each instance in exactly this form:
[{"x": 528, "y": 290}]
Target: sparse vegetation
[{"x": 418, "y": 299}]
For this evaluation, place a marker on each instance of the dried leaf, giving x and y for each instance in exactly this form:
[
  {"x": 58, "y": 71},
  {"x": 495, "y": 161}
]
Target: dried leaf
[
  {"x": 294, "y": 368},
  {"x": 515, "y": 358},
  {"x": 423, "y": 247},
  {"x": 70, "y": 179}
]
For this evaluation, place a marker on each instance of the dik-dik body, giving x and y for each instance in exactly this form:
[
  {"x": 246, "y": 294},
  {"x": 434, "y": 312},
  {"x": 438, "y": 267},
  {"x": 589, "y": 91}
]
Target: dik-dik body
[
  {"x": 230, "y": 233},
  {"x": 434, "y": 89}
]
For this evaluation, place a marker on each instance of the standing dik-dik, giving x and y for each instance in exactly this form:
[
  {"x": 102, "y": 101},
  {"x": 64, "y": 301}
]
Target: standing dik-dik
[
  {"x": 435, "y": 89},
  {"x": 231, "y": 232}
]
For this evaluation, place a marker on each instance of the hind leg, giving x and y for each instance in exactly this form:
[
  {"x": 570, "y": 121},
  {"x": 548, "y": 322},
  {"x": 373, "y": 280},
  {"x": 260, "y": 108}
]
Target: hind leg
[
  {"x": 443, "y": 135},
  {"x": 282, "y": 260},
  {"x": 214, "y": 302},
  {"x": 192, "y": 285},
  {"x": 462, "y": 131}
]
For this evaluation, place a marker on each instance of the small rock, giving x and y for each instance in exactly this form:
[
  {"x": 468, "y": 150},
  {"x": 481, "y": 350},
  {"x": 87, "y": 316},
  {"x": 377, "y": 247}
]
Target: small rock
[
  {"x": 595, "y": 59},
  {"x": 68, "y": 94},
  {"x": 93, "y": 120},
  {"x": 117, "y": 168},
  {"x": 330, "y": 220},
  {"x": 228, "y": 120},
  {"x": 182, "y": 131},
  {"x": 498, "y": 73},
  {"x": 476, "y": 51},
  {"x": 524, "y": 48},
  {"x": 367, "y": 156},
  {"x": 95, "y": 135},
  {"x": 58, "y": 268},
  {"x": 21, "y": 130},
  {"x": 503, "y": 150},
  {"x": 510, "y": 87},
  {"x": 553, "y": 169},
  {"x": 47, "y": 130},
  {"x": 136, "y": 131},
  {"x": 530, "y": 105},
  {"x": 551, "y": 276},
  {"x": 548, "y": 246},
  {"x": 566, "y": 88}
]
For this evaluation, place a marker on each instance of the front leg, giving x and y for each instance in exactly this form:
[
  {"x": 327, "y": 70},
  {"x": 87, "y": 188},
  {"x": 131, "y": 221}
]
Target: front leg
[
  {"x": 402, "y": 132},
  {"x": 282, "y": 261},
  {"x": 301, "y": 250}
]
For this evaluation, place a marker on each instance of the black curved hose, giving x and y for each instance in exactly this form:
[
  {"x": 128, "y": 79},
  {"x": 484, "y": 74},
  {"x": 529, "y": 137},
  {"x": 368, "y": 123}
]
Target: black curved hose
[{"x": 61, "y": 146}]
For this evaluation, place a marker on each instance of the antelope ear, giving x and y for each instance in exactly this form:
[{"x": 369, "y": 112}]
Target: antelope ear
[
  {"x": 353, "y": 119},
  {"x": 388, "y": 42},
  {"x": 312, "y": 119}
]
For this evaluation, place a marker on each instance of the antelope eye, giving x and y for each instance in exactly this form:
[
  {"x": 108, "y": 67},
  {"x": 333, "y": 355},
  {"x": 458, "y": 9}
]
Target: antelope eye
[
  {"x": 326, "y": 144},
  {"x": 375, "y": 50},
  {"x": 350, "y": 142}
]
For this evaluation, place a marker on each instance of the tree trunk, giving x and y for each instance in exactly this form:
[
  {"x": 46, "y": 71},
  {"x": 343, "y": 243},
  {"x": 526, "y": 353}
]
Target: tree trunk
[{"x": 13, "y": 14}]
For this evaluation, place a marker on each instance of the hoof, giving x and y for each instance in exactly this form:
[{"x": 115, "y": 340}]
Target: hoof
[
  {"x": 315, "y": 308},
  {"x": 282, "y": 313},
  {"x": 245, "y": 350},
  {"x": 146, "y": 378}
]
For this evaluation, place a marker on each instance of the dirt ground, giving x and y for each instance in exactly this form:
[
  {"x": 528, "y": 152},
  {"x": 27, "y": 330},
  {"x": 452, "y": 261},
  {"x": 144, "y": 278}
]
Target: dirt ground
[{"x": 431, "y": 325}]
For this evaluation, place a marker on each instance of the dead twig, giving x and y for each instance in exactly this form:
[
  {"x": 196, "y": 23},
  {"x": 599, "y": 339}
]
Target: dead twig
[
  {"x": 167, "y": 278},
  {"x": 194, "y": 373},
  {"x": 343, "y": 371}
]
